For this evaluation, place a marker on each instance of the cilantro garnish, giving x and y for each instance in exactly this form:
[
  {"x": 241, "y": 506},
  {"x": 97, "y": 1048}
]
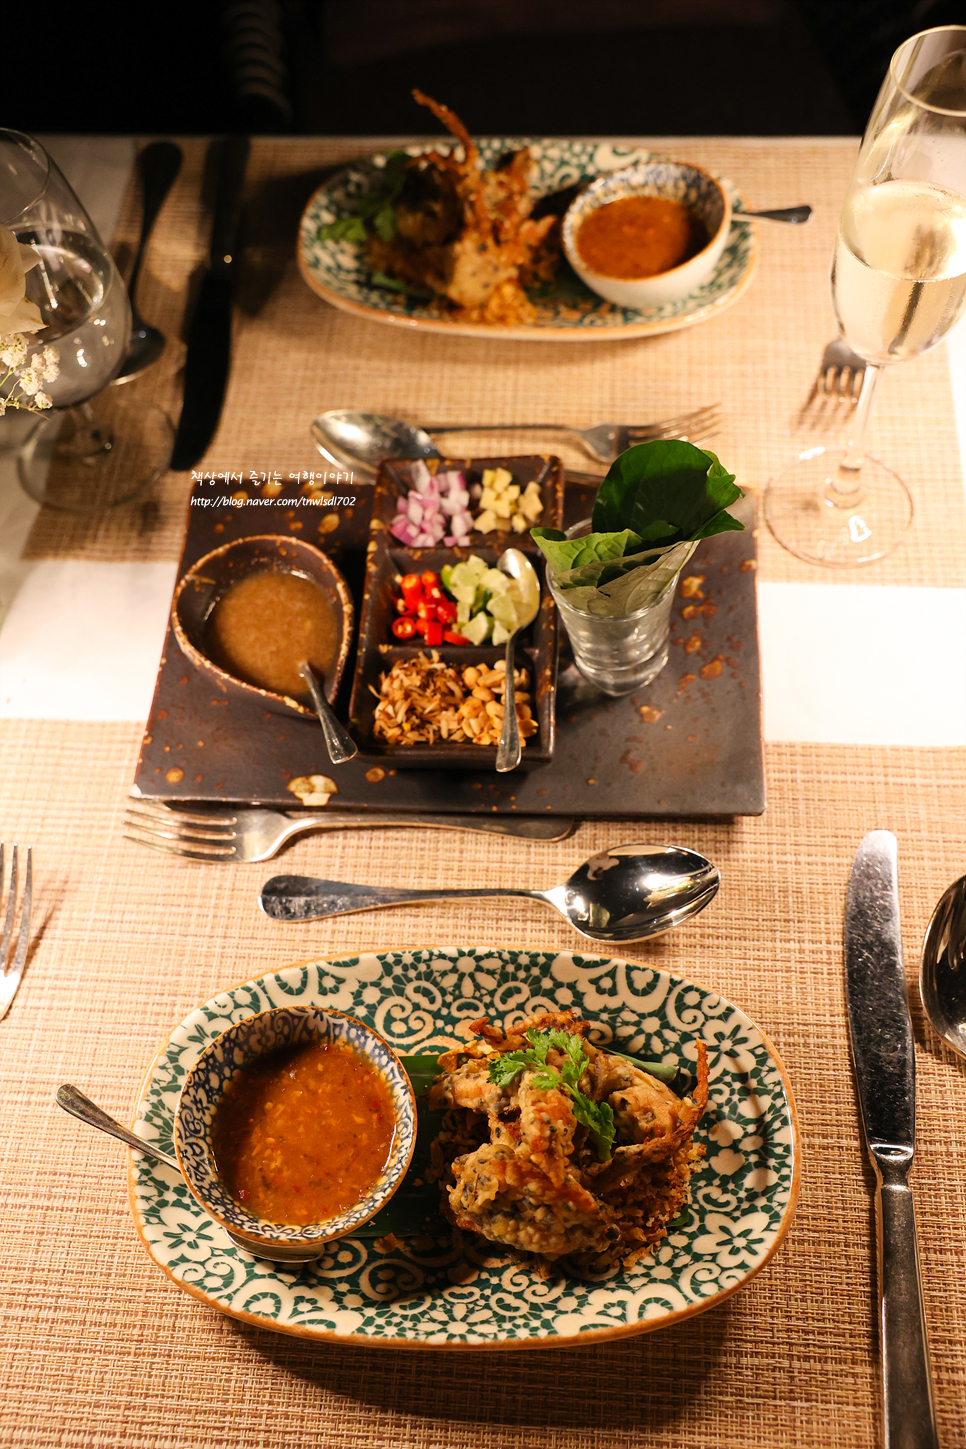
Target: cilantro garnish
[
  {"x": 596, "y": 1116},
  {"x": 376, "y": 207}
]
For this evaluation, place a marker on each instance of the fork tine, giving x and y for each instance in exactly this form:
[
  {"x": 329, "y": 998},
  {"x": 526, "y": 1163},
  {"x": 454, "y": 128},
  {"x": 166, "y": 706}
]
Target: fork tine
[
  {"x": 214, "y": 852},
  {"x": 11, "y": 979},
  {"x": 174, "y": 830},
  {"x": 11, "y": 906},
  {"x": 674, "y": 427},
  {"x": 155, "y": 809}
]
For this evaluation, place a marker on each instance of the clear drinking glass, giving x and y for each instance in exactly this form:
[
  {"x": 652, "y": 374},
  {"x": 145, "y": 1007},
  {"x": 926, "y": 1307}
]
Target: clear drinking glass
[
  {"x": 74, "y": 458},
  {"x": 618, "y": 655},
  {"x": 898, "y": 282}
]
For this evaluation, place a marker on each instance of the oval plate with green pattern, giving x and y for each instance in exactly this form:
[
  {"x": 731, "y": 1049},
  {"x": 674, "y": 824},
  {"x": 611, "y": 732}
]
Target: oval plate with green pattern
[
  {"x": 439, "y": 1296},
  {"x": 566, "y": 309}
]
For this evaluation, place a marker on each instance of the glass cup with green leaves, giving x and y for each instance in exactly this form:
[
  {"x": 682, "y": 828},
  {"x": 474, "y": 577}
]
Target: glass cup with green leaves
[{"x": 613, "y": 576}]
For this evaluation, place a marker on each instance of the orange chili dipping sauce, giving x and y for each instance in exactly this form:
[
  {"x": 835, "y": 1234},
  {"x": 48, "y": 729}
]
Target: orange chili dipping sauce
[
  {"x": 304, "y": 1133},
  {"x": 640, "y": 236}
]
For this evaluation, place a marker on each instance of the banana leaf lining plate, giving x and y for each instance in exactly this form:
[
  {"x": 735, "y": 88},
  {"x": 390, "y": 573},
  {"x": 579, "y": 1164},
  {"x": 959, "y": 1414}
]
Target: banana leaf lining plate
[
  {"x": 566, "y": 310},
  {"x": 742, "y": 1196}
]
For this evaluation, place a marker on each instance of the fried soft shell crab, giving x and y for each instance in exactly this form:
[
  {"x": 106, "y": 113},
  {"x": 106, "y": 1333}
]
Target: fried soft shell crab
[{"x": 519, "y": 1164}]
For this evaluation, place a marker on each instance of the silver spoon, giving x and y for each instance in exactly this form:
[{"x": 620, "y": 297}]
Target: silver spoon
[
  {"x": 360, "y": 441},
  {"x": 625, "y": 894},
  {"x": 793, "y": 214},
  {"x": 73, "y": 1101},
  {"x": 158, "y": 164},
  {"x": 942, "y": 975},
  {"x": 339, "y": 743},
  {"x": 517, "y": 566}
]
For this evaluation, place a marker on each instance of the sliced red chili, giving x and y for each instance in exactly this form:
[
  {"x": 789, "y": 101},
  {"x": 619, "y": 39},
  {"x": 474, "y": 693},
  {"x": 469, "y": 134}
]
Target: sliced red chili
[
  {"x": 421, "y": 626},
  {"x": 425, "y": 610},
  {"x": 451, "y": 637},
  {"x": 445, "y": 611},
  {"x": 433, "y": 593},
  {"x": 404, "y": 627},
  {"x": 429, "y": 580},
  {"x": 412, "y": 591},
  {"x": 434, "y": 632}
]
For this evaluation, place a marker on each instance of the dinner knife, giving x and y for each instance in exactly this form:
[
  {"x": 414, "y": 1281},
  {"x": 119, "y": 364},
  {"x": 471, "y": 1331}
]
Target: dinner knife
[
  {"x": 209, "y": 334},
  {"x": 885, "y": 1074}
]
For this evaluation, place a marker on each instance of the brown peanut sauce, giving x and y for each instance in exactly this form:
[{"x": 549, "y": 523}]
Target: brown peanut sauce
[
  {"x": 265, "y": 624},
  {"x": 640, "y": 236},
  {"x": 304, "y": 1133}
]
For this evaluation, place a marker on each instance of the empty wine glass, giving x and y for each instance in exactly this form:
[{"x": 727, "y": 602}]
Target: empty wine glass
[
  {"x": 75, "y": 458},
  {"x": 898, "y": 284}
]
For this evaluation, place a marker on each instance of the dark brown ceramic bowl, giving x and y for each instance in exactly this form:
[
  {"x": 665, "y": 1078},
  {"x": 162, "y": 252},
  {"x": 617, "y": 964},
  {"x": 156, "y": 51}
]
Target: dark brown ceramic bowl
[
  {"x": 387, "y": 560},
  {"x": 203, "y": 585}
]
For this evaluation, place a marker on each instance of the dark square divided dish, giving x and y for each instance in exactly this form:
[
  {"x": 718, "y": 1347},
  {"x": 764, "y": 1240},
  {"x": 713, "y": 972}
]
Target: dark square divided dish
[{"x": 388, "y": 560}]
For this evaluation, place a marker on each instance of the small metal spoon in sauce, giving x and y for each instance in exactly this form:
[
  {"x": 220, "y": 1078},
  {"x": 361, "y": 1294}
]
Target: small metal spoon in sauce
[
  {"x": 627, "y": 893},
  {"x": 517, "y": 566},
  {"x": 339, "y": 743},
  {"x": 73, "y": 1101},
  {"x": 942, "y": 975}
]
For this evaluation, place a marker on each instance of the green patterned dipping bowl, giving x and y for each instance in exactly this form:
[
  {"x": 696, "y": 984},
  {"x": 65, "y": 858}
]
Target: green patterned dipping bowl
[
  {"x": 251, "y": 1040},
  {"x": 700, "y": 192}
]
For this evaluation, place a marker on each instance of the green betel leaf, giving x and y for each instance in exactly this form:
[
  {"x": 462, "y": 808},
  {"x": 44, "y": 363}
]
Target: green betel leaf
[
  {"x": 666, "y": 492},
  {"x": 564, "y": 554}
]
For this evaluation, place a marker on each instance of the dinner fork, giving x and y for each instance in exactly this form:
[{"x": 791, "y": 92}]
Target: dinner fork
[
  {"x": 223, "y": 833},
  {"x": 841, "y": 373},
  {"x": 10, "y": 977},
  {"x": 606, "y": 440}
]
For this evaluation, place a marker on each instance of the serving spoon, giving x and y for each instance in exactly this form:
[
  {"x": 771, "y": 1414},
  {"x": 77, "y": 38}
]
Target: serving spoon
[
  {"x": 360, "y": 441},
  {"x": 628, "y": 893},
  {"x": 942, "y": 974},
  {"x": 517, "y": 566},
  {"x": 339, "y": 743}
]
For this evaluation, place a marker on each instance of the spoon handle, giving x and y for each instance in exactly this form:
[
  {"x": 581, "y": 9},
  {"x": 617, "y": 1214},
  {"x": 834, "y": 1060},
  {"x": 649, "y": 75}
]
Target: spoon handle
[
  {"x": 158, "y": 164},
  {"x": 795, "y": 215},
  {"x": 73, "y": 1101},
  {"x": 339, "y": 743},
  {"x": 302, "y": 898},
  {"x": 508, "y": 751}
]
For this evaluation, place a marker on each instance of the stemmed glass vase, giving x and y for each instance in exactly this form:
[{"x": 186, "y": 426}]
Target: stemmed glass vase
[
  {"x": 898, "y": 283},
  {"x": 76, "y": 457}
]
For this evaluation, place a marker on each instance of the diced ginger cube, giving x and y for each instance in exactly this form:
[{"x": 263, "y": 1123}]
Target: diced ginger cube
[
  {"x": 512, "y": 490},
  {"x": 486, "y": 522},
  {"x": 531, "y": 508},
  {"x": 503, "y": 507},
  {"x": 501, "y": 477},
  {"x": 488, "y": 497},
  {"x": 519, "y": 524},
  {"x": 488, "y": 475}
]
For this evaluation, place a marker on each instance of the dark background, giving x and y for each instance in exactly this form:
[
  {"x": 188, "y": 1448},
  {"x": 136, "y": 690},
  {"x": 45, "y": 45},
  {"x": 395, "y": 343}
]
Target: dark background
[{"x": 597, "y": 67}]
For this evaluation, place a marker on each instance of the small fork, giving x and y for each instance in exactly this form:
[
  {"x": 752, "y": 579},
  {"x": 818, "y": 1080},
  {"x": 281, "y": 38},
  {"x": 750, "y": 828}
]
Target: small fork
[
  {"x": 224, "y": 833},
  {"x": 10, "y": 977},
  {"x": 605, "y": 441},
  {"x": 841, "y": 373}
]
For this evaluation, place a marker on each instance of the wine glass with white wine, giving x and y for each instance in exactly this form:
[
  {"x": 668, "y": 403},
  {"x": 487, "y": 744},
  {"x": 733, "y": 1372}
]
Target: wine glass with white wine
[
  {"x": 77, "y": 457},
  {"x": 898, "y": 284}
]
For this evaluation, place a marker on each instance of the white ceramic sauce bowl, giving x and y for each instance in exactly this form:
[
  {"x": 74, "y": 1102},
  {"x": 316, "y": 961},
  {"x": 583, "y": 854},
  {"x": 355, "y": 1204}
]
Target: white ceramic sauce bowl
[{"x": 675, "y": 181}]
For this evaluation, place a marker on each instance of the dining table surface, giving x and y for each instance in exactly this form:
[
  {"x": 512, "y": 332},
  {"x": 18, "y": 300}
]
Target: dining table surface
[{"x": 864, "y": 727}]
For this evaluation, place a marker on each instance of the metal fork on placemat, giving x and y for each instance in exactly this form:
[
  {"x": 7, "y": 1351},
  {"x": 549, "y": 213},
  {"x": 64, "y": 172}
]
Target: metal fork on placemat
[
  {"x": 840, "y": 374},
  {"x": 605, "y": 441},
  {"x": 16, "y": 930},
  {"x": 223, "y": 833}
]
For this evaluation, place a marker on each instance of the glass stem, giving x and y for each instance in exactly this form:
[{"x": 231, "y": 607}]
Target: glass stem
[{"x": 844, "y": 489}]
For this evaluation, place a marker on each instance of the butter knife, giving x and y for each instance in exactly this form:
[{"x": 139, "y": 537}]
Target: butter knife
[
  {"x": 209, "y": 334},
  {"x": 885, "y": 1074}
]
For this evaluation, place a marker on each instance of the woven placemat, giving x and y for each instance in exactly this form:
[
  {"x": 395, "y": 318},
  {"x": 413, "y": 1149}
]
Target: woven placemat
[
  {"x": 295, "y": 356},
  {"x": 99, "y": 1349}
]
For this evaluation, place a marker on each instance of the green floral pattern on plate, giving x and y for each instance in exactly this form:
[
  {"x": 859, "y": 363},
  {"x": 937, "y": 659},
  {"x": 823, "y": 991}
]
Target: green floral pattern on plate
[
  {"x": 742, "y": 1198},
  {"x": 566, "y": 310}
]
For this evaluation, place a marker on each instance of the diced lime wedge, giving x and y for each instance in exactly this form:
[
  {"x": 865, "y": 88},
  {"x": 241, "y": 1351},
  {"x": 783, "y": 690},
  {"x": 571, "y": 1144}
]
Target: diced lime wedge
[{"x": 478, "y": 628}]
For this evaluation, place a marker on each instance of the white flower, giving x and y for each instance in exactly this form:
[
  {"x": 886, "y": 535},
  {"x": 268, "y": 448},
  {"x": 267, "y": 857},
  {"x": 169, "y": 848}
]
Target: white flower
[
  {"x": 51, "y": 360},
  {"x": 14, "y": 346},
  {"x": 16, "y": 314},
  {"x": 42, "y": 400},
  {"x": 30, "y": 381},
  {"x": 3, "y": 406}
]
